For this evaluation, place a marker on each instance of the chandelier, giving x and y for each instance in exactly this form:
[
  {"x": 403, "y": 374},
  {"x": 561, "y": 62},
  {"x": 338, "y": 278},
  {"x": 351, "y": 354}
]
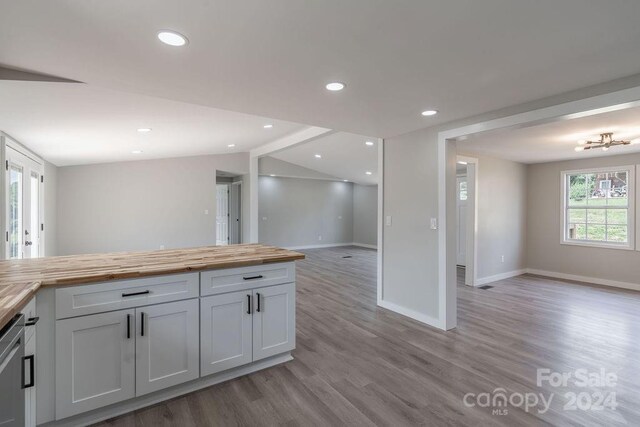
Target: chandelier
[{"x": 606, "y": 141}]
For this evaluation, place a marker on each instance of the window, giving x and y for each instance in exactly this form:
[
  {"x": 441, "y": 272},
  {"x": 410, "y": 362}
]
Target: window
[
  {"x": 598, "y": 207},
  {"x": 462, "y": 190}
]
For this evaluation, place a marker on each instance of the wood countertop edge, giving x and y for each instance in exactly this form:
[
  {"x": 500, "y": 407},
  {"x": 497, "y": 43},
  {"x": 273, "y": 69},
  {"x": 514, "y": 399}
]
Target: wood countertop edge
[{"x": 12, "y": 304}]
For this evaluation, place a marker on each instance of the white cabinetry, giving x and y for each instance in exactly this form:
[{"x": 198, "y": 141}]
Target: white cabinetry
[
  {"x": 95, "y": 361},
  {"x": 29, "y": 380},
  {"x": 122, "y": 340},
  {"x": 167, "y": 345},
  {"x": 274, "y": 320},
  {"x": 246, "y": 326},
  {"x": 225, "y": 332}
]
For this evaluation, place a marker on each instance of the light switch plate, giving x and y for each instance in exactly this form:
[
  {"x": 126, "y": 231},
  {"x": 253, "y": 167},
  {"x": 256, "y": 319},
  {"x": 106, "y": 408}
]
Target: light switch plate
[
  {"x": 434, "y": 223},
  {"x": 388, "y": 221}
]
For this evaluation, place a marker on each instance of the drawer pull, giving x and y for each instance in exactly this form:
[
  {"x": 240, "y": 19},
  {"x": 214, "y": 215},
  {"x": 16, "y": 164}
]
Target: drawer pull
[
  {"x": 260, "y": 276},
  {"x": 132, "y": 294},
  {"x": 32, "y": 379},
  {"x": 128, "y": 326},
  {"x": 31, "y": 321},
  {"x": 141, "y": 324}
]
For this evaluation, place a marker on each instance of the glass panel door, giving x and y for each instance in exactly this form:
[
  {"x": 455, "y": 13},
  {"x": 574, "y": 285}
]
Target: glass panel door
[
  {"x": 32, "y": 239},
  {"x": 16, "y": 208},
  {"x": 24, "y": 196}
]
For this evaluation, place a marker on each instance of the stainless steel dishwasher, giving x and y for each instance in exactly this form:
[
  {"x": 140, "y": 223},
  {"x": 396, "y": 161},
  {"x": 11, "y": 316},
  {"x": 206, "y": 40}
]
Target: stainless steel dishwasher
[{"x": 12, "y": 373}]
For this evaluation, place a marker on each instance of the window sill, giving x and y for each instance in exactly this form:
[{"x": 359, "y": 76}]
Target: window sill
[{"x": 599, "y": 245}]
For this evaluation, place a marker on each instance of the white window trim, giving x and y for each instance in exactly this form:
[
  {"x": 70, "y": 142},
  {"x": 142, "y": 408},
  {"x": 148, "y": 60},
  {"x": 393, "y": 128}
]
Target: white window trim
[{"x": 631, "y": 216}]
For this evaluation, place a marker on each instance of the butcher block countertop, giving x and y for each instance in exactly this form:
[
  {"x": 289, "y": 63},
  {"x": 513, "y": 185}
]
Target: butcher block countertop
[{"x": 20, "y": 279}]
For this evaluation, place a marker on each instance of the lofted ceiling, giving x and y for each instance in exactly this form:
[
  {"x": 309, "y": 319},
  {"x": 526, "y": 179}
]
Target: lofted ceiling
[
  {"x": 557, "y": 141},
  {"x": 273, "y": 58},
  {"x": 343, "y": 155},
  {"x": 70, "y": 124}
]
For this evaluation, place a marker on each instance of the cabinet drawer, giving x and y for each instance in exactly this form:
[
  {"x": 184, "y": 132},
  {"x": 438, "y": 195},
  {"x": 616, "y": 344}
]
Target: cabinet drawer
[
  {"x": 30, "y": 315},
  {"x": 237, "y": 279},
  {"x": 89, "y": 299}
]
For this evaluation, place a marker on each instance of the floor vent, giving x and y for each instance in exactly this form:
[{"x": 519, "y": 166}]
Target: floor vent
[
  {"x": 485, "y": 287},
  {"x": 347, "y": 256}
]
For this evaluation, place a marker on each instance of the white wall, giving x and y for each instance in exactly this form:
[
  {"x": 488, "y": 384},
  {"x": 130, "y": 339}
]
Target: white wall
[
  {"x": 296, "y": 212},
  {"x": 50, "y": 209},
  {"x": 365, "y": 214},
  {"x": 140, "y": 205},
  {"x": 502, "y": 216},
  {"x": 544, "y": 251}
]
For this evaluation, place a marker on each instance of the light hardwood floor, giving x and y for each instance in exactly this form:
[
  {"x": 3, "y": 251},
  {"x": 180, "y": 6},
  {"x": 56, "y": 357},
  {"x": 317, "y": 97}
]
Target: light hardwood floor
[{"x": 357, "y": 364}]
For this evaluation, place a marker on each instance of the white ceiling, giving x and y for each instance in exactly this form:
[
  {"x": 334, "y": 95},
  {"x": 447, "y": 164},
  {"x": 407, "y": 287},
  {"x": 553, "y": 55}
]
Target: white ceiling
[
  {"x": 273, "y": 58},
  {"x": 557, "y": 140},
  {"x": 71, "y": 124},
  {"x": 344, "y": 155}
]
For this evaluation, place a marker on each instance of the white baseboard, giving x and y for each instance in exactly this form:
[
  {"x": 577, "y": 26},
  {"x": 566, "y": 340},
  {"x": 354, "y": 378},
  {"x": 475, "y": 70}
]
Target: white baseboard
[
  {"x": 594, "y": 280},
  {"x": 490, "y": 279},
  {"x": 116, "y": 409},
  {"x": 420, "y": 317},
  {"x": 326, "y": 245},
  {"x": 364, "y": 245},
  {"x": 330, "y": 245}
]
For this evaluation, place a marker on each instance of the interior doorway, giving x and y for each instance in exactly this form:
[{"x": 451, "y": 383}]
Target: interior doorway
[
  {"x": 229, "y": 207},
  {"x": 467, "y": 218}
]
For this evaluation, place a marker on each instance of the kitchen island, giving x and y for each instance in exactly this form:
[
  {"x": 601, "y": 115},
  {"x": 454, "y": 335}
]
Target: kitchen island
[{"x": 121, "y": 331}]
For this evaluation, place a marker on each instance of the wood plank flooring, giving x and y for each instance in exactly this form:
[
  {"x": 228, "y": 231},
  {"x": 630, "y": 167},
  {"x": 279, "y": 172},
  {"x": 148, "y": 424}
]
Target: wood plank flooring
[{"x": 357, "y": 364}]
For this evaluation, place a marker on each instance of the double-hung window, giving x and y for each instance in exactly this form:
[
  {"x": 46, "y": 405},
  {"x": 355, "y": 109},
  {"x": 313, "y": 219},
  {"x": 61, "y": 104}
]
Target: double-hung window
[{"x": 598, "y": 207}]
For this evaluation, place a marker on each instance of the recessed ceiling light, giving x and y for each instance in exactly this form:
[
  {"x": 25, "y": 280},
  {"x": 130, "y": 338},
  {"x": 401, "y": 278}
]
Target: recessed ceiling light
[
  {"x": 368, "y": 173},
  {"x": 335, "y": 86},
  {"x": 428, "y": 113},
  {"x": 462, "y": 163},
  {"x": 272, "y": 175},
  {"x": 172, "y": 38},
  {"x": 136, "y": 152},
  {"x": 318, "y": 156},
  {"x": 345, "y": 180},
  {"x": 231, "y": 145},
  {"x": 369, "y": 143},
  {"x": 143, "y": 130},
  {"x": 269, "y": 126}
]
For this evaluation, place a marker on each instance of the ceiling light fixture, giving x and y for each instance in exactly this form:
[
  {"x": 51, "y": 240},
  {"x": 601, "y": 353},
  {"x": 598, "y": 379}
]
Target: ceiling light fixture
[
  {"x": 272, "y": 175},
  {"x": 136, "y": 152},
  {"x": 428, "y": 113},
  {"x": 335, "y": 86},
  {"x": 318, "y": 156},
  {"x": 369, "y": 143},
  {"x": 144, "y": 130},
  {"x": 269, "y": 126},
  {"x": 345, "y": 180},
  {"x": 231, "y": 145},
  {"x": 462, "y": 163},
  {"x": 172, "y": 38},
  {"x": 606, "y": 141},
  {"x": 368, "y": 173}
]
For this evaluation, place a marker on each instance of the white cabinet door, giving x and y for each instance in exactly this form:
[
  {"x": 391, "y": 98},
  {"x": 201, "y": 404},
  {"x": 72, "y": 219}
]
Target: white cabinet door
[
  {"x": 274, "y": 320},
  {"x": 167, "y": 345},
  {"x": 30, "y": 391},
  {"x": 95, "y": 361},
  {"x": 225, "y": 331}
]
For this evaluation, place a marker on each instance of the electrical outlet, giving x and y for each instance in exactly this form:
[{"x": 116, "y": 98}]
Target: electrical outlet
[
  {"x": 206, "y": 211},
  {"x": 161, "y": 246},
  {"x": 502, "y": 258},
  {"x": 388, "y": 221},
  {"x": 264, "y": 218},
  {"x": 319, "y": 238}
]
